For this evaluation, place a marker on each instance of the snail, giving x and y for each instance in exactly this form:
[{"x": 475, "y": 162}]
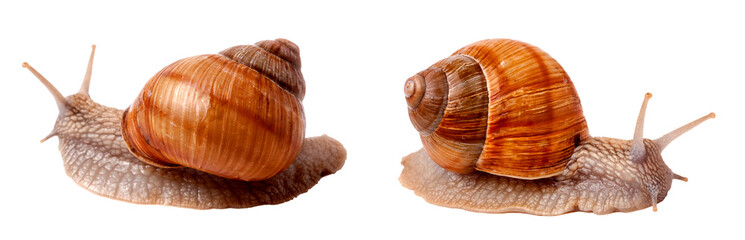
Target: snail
[
  {"x": 211, "y": 131},
  {"x": 502, "y": 130}
]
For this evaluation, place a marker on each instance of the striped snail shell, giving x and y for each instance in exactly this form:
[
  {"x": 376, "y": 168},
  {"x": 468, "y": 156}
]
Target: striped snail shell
[
  {"x": 236, "y": 114},
  {"x": 498, "y": 106}
]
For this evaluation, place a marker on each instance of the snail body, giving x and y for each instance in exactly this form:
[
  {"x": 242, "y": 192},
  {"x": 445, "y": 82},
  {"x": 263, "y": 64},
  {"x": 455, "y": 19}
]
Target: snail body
[
  {"x": 211, "y": 131},
  {"x": 503, "y": 131}
]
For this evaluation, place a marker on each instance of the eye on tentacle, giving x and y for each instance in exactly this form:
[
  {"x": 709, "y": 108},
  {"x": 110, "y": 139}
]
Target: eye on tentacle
[{"x": 62, "y": 103}]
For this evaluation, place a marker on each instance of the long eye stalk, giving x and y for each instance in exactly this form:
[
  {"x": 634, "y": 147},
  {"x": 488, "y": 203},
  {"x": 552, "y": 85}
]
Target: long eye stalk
[
  {"x": 61, "y": 101},
  {"x": 87, "y": 79},
  {"x": 638, "y": 151},
  {"x": 663, "y": 141}
]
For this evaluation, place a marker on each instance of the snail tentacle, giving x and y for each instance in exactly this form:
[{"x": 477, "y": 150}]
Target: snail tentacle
[
  {"x": 89, "y": 70},
  {"x": 62, "y": 103},
  {"x": 669, "y": 137},
  {"x": 638, "y": 153},
  {"x": 678, "y": 177}
]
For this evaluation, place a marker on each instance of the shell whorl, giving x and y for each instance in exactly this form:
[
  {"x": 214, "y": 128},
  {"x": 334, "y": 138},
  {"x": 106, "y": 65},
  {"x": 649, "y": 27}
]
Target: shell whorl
[
  {"x": 426, "y": 95},
  {"x": 278, "y": 59},
  {"x": 455, "y": 107},
  {"x": 510, "y": 110}
]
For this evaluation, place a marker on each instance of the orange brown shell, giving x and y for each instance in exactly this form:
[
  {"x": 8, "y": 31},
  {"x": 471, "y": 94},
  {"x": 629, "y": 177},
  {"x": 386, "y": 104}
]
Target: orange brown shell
[
  {"x": 498, "y": 106},
  {"x": 237, "y": 114}
]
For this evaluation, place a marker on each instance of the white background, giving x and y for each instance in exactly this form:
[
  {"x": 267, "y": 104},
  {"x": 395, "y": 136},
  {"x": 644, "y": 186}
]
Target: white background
[{"x": 355, "y": 59}]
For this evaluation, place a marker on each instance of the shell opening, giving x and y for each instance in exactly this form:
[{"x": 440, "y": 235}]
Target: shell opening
[{"x": 139, "y": 144}]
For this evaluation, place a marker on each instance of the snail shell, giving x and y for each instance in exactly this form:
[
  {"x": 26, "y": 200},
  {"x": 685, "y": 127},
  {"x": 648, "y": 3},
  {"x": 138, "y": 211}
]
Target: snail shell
[
  {"x": 236, "y": 114},
  {"x": 498, "y": 106}
]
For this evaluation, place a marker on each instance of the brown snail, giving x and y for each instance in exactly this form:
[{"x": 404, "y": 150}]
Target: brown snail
[
  {"x": 503, "y": 131},
  {"x": 211, "y": 131}
]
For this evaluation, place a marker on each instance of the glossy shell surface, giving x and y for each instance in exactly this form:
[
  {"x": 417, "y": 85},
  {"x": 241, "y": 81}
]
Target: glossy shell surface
[
  {"x": 220, "y": 115},
  {"x": 498, "y": 106}
]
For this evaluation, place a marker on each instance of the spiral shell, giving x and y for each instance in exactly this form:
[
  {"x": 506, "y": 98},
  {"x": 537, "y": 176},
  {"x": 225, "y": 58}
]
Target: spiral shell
[
  {"x": 237, "y": 114},
  {"x": 498, "y": 106}
]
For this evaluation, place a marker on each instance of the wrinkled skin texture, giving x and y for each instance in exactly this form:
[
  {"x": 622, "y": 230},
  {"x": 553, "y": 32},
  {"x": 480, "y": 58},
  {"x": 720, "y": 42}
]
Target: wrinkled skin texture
[
  {"x": 599, "y": 178},
  {"x": 96, "y": 158}
]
